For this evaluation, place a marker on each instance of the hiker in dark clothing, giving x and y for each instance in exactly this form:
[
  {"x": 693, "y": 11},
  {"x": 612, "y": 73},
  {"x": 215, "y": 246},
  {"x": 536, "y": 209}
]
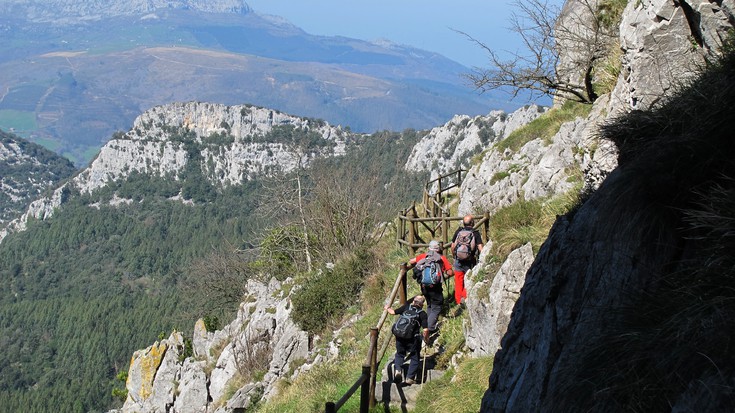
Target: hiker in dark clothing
[{"x": 408, "y": 341}]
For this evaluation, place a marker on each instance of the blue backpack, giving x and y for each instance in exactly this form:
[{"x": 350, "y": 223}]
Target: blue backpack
[{"x": 429, "y": 269}]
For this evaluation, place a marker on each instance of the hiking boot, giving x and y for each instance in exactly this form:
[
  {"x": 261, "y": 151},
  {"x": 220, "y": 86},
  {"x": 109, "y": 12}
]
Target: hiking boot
[
  {"x": 397, "y": 377},
  {"x": 409, "y": 381}
]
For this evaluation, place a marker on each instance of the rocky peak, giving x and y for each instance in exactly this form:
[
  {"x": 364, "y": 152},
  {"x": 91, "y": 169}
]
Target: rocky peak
[
  {"x": 228, "y": 144},
  {"x": 452, "y": 145},
  {"x": 80, "y": 10}
]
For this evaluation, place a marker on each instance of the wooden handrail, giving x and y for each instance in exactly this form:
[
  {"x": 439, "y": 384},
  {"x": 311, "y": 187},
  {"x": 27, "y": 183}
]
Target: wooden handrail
[{"x": 366, "y": 381}]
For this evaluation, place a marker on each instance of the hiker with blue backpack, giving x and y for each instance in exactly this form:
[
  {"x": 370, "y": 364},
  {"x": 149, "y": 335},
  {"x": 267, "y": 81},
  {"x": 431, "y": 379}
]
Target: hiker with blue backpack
[
  {"x": 466, "y": 246},
  {"x": 409, "y": 330},
  {"x": 429, "y": 270}
]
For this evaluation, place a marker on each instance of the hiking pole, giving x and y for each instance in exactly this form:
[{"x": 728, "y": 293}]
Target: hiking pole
[{"x": 423, "y": 369}]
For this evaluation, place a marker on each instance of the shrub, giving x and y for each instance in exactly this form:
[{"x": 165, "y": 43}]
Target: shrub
[{"x": 325, "y": 295}]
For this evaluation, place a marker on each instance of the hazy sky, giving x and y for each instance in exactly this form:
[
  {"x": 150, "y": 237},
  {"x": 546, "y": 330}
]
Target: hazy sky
[{"x": 425, "y": 24}]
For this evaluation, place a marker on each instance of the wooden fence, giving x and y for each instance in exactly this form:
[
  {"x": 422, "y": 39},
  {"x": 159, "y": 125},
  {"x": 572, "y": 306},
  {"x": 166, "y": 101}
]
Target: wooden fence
[
  {"x": 366, "y": 381},
  {"x": 431, "y": 217}
]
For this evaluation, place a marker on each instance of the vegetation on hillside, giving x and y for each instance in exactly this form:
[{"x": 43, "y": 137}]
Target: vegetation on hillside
[
  {"x": 81, "y": 291},
  {"x": 23, "y": 181}
]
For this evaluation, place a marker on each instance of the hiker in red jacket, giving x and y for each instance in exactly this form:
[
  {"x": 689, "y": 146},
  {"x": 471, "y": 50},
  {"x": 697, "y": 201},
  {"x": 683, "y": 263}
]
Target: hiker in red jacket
[{"x": 432, "y": 290}]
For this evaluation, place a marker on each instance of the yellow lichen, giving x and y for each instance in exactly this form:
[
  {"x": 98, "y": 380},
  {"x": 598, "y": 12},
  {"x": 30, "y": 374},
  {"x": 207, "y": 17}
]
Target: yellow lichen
[{"x": 149, "y": 364}]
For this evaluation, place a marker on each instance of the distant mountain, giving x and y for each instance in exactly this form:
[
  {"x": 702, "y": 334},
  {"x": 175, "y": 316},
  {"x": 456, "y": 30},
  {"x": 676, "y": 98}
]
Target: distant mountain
[
  {"x": 74, "y": 72},
  {"x": 26, "y": 171}
]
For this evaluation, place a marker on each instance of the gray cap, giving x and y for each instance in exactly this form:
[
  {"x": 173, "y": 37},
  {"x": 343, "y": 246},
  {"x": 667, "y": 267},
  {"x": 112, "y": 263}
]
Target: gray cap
[{"x": 434, "y": 246}]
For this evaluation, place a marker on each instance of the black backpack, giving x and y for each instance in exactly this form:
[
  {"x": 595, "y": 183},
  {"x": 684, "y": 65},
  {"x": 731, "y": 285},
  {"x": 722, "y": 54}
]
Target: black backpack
[
  {"x": 407, "y": 324},
  {"x": 428, "y": 270}
]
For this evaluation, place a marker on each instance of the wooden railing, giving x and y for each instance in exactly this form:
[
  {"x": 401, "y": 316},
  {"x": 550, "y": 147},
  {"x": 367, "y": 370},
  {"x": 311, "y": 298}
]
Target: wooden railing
[
  {"x": 431, "y": 217},
  {"x": 411, "y": 226},
  {"x": 366, "y": 381}
]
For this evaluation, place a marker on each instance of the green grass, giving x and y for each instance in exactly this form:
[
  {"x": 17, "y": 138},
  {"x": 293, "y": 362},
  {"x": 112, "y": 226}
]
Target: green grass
[
  {"x": 457, "y": 391},
  {"x": 544, "y": 127},
  {"x": 528, "y": 221}
]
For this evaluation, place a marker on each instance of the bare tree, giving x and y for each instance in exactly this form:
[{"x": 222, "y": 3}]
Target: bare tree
[
  {"x": 283, "y": 203},
  {"x": 215, "y": 284},
  {"x": 585, "y": 33},
  {"x": 342, "y": 212}
]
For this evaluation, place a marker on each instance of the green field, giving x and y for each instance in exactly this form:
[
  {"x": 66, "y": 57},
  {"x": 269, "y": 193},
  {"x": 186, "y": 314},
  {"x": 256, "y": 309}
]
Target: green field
[{"x": 21, "y": 121}]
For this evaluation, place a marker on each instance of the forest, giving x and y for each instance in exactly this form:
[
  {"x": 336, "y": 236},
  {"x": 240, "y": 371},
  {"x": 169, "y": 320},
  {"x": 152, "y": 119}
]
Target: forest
[{"x": 80, "y": 292}]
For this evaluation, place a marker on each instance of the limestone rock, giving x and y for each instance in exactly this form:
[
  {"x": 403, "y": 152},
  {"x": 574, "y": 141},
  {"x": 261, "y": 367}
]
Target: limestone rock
[
  {"x": 233, "y": 141},
  {"x": 490, "y": 302},
  {"x": 664, "y": 43},
  {"x": 451, "y": 146},
  {"x": 192, "y": 395},
  {"x": 539, "y": 169},
  {"x": 152, "y": 376},
  {"x": 262, "y": 339}
]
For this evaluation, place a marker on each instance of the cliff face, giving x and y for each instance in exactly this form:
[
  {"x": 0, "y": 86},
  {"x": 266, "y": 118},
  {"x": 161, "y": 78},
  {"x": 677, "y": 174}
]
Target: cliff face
[
  {"x": 26, "y": 170},
  {"x": 229, "y": 144},
  {"x": 624, "y": 308}
]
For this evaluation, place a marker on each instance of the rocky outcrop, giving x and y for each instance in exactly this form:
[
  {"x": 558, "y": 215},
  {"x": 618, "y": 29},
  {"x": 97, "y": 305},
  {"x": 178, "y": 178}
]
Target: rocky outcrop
[
  {"x": 665, "y": 44},
  {"x": 232, "y": 143},
  {"x": 78, "y": 11},
  {"x": 490, "y": 302},
  {"x": 228, "y": 144},
  {"x": 26, "y": 170},
  {"x": 451, "y": 146},
  {"x": 540, "y": 168},
  {"x": 224, "y": 370}
]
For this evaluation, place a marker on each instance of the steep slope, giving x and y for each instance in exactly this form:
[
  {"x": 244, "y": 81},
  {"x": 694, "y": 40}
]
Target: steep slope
[
  {"x": 26, "y": 170},
  {"x": 626, "y": 307}
]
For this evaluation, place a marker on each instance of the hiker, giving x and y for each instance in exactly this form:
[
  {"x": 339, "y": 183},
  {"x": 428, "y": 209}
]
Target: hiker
[
  {"x": 433, "y": 291},
  {"x": 408, "y": 341},
  {"x": 466, "y": 246}
]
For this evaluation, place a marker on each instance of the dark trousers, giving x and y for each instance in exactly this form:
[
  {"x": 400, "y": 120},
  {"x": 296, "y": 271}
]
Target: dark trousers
[
  {"x": 405, "y": 346},
  {"x": 434, "y": 302}
]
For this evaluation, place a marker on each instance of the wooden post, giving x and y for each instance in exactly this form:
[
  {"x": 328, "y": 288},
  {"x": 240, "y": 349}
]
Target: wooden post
[
  {"x": 487, "y": 227},
  {"x": 373, "y": 364},
  {"x": 402, "y": 290},
  {"x": 365, "y": 391},
  {"x": 445, "y": 235},
  {"x": 412, "y": 232}
]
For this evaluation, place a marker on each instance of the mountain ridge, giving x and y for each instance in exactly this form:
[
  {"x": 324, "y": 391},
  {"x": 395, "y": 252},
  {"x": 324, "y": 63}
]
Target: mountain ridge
[{"x": 100, "y": 74}]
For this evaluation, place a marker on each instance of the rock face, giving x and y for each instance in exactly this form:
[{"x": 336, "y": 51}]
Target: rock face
[
  {"x": 226, "y": 370},
  {"x": 539, "y": 168},
  {"x": 230, "y": 144},
  {"x": 490, "y": 302},
  {"x": 26, "y": 170},
  {"x": 604, "y": 309},
  {"x": 664, "y": 44},
  {"x": 451, "y": 146}
]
